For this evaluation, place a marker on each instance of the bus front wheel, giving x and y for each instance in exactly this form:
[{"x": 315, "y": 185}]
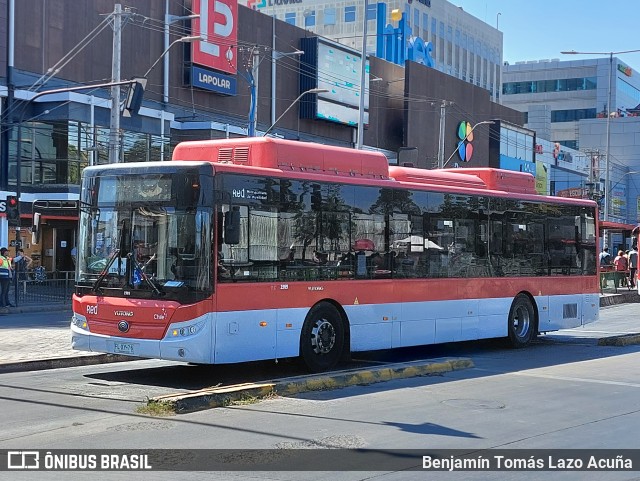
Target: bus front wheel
[
  {"x": 522, "y": 322},
  {"x": 322, "y": 338}
]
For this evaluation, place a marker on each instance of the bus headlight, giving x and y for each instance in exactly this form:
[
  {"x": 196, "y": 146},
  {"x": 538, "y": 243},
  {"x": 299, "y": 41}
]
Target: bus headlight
[
  {"x": 185, "y": 330},
  {"x": 79, "y": 321}
]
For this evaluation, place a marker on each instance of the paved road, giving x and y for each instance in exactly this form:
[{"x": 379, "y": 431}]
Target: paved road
[{"x": 564, "y": 391}]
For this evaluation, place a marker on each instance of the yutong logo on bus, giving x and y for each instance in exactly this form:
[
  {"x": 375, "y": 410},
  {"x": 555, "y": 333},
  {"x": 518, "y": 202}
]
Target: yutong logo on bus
[{"x": 124, "y": 313}]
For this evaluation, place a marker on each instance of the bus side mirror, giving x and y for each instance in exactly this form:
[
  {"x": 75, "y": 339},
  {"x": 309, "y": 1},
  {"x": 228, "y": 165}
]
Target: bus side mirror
[
  {"x": 232, "y": 226},
  {"x": 35, "y": 228}
]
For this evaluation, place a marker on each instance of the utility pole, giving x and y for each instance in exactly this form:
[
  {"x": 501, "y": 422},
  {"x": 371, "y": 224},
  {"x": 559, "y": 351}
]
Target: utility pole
[
  {"x": 114, "y": 124},
  {"x": 443, "y": 112},
  {"x": 9, "y": 104},
  {"x": 253, "y": 117}
]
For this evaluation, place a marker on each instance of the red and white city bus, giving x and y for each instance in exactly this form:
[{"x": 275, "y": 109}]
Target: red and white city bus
[{"x": 260, "y": 248}]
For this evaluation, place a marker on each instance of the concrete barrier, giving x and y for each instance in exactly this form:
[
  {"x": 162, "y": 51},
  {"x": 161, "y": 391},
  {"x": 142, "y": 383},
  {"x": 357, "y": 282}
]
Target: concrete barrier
[
  {"x": 620, "y": 298},
  {"x": 223, "y": 396}
]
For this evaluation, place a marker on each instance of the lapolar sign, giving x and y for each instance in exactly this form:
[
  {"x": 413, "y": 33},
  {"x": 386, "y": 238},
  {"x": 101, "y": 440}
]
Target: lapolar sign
[{"x": 218, "y": 24}]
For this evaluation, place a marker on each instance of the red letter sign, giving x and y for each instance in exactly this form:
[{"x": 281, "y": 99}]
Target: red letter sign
[{"x": 218, "y": 24}]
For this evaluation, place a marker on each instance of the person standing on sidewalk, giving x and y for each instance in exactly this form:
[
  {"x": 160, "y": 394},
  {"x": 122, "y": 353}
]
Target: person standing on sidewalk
[
  {"x": 621, "y": 265},
  {"x": 21, "y": 263},
  {"x": 6, "y": 274},
  {"x": 633, "y": 266}
]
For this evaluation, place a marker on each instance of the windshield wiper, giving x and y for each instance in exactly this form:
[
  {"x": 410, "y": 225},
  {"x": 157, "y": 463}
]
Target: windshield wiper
[
  {"x": 105, "y": 271},
  {"x": 145, "y": 277}
]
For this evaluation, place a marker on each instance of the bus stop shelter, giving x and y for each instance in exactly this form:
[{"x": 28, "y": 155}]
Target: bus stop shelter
[{"x": 623, "y": 235}]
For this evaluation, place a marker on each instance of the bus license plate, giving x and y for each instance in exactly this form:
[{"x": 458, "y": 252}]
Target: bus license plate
[{"x": 123, "y": 347}]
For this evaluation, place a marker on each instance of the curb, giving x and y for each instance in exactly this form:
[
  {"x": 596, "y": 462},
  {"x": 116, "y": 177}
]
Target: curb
[
  {"x": 623, "y": 340},
  {"x": 37, "y": 308},
  {"x": 62, "y": 362},
  {"x": 223, "y": 396},
  {"x": 623, "y": 298}
]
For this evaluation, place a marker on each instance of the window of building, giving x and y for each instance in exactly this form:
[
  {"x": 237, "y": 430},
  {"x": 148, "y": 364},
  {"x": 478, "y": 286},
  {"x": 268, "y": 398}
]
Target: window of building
[
  {"x": 571, "y": 144},
  {"x": 290, "y": 18},
  {"x": 629, "y": 90},
  {"x": 56, "y": 152},
  {"x": 330, "y": 16},
  {"x": 572, "y": 115},
  {"x": 371, "y": 11},
  {"x": 349, "y": 14},
  {"x": 554, "y": 85},
  {"x": 516, "y": 144},
  {"x": 309, "y": 18},
  {"x": 416, "y": 20}
]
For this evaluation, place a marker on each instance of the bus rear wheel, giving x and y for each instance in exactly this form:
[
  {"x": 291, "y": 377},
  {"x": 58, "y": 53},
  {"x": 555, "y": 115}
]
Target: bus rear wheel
[
  {"x": 322, "y": 338},
  {"x": 522, "y": 322}
]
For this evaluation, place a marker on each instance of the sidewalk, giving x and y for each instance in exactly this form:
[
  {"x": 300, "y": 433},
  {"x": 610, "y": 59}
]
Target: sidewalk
[{"x": 35, "y": 337}]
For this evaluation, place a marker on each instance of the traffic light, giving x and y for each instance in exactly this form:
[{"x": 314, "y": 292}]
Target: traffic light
[
  {"x": 134, "y": 97},
  {"x": 13, "y": 211}
]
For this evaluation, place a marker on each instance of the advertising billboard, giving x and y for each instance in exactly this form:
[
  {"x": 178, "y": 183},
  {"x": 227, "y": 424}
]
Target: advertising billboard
[{"x": 336, "y": 68}]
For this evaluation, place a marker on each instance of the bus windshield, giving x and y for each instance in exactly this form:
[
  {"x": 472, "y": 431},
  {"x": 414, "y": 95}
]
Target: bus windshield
[{"x": 142, "y": 247}]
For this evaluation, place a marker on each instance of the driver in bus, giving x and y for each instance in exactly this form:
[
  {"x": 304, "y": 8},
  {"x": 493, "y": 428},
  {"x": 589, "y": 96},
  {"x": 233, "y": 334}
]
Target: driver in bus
[{"x": 150, "y": 188}]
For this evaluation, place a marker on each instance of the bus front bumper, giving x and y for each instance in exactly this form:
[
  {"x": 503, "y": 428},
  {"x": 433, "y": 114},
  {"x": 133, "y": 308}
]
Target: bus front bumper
[{"x": 184, "y": 341}]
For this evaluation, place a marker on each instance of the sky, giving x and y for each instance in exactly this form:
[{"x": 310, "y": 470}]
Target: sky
[{"x": 535, "y": 30}]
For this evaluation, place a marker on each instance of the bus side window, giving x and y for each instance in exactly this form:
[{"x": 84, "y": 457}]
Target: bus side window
[{"x": 232, "y": 226}]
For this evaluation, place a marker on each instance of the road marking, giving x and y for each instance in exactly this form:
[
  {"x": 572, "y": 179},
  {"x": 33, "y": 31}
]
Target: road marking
[{"x": 576, "y": 379}]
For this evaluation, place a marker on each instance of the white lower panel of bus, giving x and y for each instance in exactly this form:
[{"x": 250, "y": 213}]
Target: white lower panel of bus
[
  {"x": 189, "y": 341},
  {"x": 238, "y": 336}
]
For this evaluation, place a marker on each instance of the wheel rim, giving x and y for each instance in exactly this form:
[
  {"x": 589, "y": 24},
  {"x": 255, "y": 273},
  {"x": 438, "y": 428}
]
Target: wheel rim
[
  {"x": 521, "y": 322},
  {"x": 323, "y": 337}
]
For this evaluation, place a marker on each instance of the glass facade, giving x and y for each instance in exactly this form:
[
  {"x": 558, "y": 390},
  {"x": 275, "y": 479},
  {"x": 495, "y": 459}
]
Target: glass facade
[
  {"x": 572, "y": 115},
  {"x": 54, "y": 153},
  {"x": 555, "y": 85},
  {"x": 516, "y": 144},
  {"x": 628, "y": 90}
]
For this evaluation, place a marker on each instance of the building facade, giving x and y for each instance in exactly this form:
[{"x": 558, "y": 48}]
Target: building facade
[
  {"x": 457, "y": 43},
  {"x": 258, "y": 75},
  {"x": 567, "y": 102}
]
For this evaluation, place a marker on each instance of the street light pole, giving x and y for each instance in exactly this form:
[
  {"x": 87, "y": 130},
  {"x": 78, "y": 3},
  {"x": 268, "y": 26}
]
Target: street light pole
[
  {"x": 311, "y": 91},
  {"x": 168, "y": 20},
  {"x": 363, "y": 71},
  {"x": 607, "y": 162},
  {"x": 191, "y": 38},
  {"x": 275, "y": 56},
  {"x": 484, "y": 122}
]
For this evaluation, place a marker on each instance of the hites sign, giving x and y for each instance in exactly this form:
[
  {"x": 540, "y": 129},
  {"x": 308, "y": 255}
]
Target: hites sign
[
  {"x": 218, "y": 23},
  {"x": 397, "y": 44}
]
